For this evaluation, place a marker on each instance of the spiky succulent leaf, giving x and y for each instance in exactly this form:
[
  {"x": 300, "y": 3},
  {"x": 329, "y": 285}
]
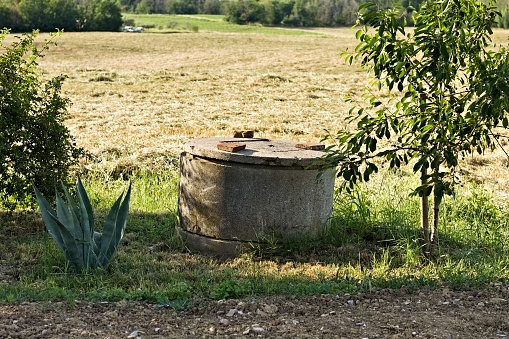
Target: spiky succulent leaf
[
  {"x": 49, "y": 222},
  {"x": 72, "y": 227},
  {"x": 86, "y": 211},
  {"x": 71, "y": 247},
  {"x": 67, "y": 218},
  {"x": 70, "y": 201},
  {"x": 97, "y": 245},
  {"x": 75, "y": 212},
  {"x": 87, "y": 220},
  {"x": 114, "y": 227}
]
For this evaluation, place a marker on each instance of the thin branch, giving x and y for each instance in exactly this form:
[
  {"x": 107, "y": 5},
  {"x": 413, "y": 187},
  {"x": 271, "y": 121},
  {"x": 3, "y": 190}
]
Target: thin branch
[{"x": 498, "y": 143}]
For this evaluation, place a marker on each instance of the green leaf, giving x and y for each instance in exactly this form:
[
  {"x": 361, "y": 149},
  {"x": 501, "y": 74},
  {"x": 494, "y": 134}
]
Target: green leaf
[
  {"x": 70, "y": 200},
  {"x": 87, "y": 222},
  {"x": 366, "y": 5},
  {"x": 347, "y": 175},
  {"x": 387, "y": 133},
  {"x": 422, "y": 162},
  {"x": 114, "y": 227},
  {"x": 65, "y": 216},
  {"x": 71, "y": 248},
  {"x": 372, "y": 145},
  {"x": 49, "y": 222}
]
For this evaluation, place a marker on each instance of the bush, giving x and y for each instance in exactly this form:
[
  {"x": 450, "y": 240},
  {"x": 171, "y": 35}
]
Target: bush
[
  {"x": 182, "y": 7},
  {"x": 102, "y": 15},
  {"x": 35, "y": 146},
  {"x": 246, "y": 11},
  {"x": 212, "y": 7}
]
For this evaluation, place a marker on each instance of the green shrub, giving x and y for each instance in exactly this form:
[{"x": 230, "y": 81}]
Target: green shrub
[
  {"x": 128, "y": 22},
  {"x": 246, "y": 11},
  {"x": 35, "y": 146}
]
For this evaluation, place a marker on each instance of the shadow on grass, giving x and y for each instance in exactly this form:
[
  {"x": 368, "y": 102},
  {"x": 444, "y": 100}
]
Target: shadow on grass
[{"x": 152, "y": 264}]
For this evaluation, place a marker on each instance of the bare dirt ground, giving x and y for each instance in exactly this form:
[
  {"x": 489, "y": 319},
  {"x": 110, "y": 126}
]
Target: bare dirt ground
[{"x": 439, "y": 313}]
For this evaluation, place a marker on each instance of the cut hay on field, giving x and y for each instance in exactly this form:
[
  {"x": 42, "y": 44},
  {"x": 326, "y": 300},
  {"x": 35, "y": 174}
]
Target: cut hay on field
[{"x": 138, "y": 97}]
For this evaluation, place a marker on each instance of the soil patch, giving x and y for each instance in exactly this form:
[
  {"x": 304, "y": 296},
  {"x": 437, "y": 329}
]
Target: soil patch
[{"x": 438, "y": 313}]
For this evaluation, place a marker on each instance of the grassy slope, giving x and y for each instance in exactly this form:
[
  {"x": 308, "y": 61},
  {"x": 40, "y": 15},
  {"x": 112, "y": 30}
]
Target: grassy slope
[
  {"x": 137, "y": 97},
  {"x": 163, "y": 23}
]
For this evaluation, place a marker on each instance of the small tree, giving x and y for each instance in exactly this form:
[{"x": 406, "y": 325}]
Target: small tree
[
  {"x": 101, "y": 15},
  {"x": 454, "y": 95},
  {"x": 35, "y": 146},
  {"x": 245, "y": 11}
]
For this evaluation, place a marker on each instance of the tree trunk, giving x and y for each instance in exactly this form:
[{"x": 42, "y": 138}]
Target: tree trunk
[
  {"x": 434, "y": 230},
  {"x": 433, "y": 237},
  {"x": 424, "y": 217}
]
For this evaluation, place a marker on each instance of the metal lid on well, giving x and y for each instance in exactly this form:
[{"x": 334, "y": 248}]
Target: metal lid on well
[{"x": 257, "y": 151}]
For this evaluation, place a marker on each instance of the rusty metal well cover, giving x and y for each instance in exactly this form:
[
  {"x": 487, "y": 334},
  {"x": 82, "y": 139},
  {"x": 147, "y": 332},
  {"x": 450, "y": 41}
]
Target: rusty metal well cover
[{"x": 258, "y": 151}]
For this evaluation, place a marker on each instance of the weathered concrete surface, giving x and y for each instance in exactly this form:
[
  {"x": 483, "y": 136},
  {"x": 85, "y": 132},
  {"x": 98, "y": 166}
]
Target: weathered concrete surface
[
  {"x": 253, "y": 197},
  {"x": 257, "y": 152}
]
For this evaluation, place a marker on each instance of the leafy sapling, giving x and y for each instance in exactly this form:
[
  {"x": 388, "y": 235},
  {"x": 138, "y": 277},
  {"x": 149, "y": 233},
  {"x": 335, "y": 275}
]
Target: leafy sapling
[{"x": 453, "y": 97}]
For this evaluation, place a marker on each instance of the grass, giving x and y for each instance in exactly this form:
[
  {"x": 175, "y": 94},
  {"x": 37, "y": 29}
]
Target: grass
[
  {"x": 372, "y": 243},
  {"x": 164, "y": 23},
  {"x": 138, "y": 97}
]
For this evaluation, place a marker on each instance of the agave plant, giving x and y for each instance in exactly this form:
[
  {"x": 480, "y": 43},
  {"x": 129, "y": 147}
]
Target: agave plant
[{"x": 72, "y": 227}]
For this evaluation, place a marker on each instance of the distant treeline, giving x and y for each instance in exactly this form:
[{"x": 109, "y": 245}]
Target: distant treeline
[
  {"x": 69, "y": 15},
  {"x": 105, "y": 15},
  {"x": 303, "y": 13}
]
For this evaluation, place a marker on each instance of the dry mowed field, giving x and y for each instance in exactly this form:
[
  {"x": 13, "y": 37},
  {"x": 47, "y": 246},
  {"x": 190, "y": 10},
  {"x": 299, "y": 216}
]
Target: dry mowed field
[{"x": 138, "y": 97}]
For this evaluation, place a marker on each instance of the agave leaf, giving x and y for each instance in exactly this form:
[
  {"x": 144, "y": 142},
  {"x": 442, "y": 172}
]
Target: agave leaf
[
  {"x": 66, "y": 217},
  {"x": 97, "y": 248},
  {"x": 71, "y": 203},
  {"x": 49, "y": 222},
  {"x": 87, "y": 221},
  {"x": 71, "y": 247},
  {"x": 76, "y": 220},
  {"x": 114, "y": 227},
  {"x": 87, "y": 212},
  {"x": 109, "y": 233}
]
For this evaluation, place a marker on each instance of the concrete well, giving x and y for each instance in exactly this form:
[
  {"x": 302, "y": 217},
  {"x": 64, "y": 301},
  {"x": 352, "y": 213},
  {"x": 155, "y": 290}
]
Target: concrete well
[{"x": 266, "y": 189}]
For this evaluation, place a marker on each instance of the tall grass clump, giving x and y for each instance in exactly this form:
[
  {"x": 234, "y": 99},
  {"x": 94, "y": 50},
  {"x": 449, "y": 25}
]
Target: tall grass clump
[
  {"x": 381, "y": 215},
  {"x": 153, "y": 202},
  {"x": 474, "y": 221},
  {"x": 380, "y": 210}
]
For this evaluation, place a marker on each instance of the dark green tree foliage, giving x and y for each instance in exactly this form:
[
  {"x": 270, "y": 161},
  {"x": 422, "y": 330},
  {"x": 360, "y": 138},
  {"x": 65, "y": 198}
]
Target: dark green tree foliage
[
  {"x": 34, "y": 13},
  {"x": 183, "y": 7},
  {"x": 305, "y": 13},
  {"x": 63, "y": 14},
  {"x": 9, "y": 16},
  {"x": 454, "y": 94},
  {"x": 128, "y": 5},
  {"x": 35, "y": 146},
  {"x": 212, "y": 7},
  {"x": 146, "y": 7},
  {"x": 102, "y": 15},
  {"x": 246, "y": 11},
  {"x": 48, "y": 15},
  {"x": 69, "y": 15},
  {"x": 279, "y": 11}
]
